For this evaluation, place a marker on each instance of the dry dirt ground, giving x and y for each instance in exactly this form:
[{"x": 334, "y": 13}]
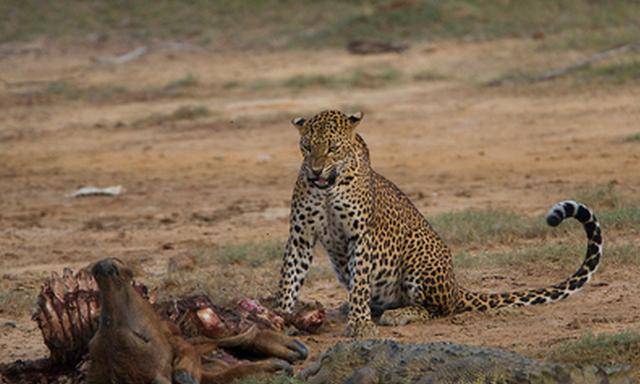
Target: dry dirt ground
[{"x": 206, "y": 180}]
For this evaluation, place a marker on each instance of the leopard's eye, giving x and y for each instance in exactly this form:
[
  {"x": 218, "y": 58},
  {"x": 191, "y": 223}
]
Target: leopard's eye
[{"x": 333, "y": 150}]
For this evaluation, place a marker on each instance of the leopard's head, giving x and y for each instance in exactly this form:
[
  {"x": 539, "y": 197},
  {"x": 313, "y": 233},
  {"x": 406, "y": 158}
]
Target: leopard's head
[{"x": 329, "y": 145}]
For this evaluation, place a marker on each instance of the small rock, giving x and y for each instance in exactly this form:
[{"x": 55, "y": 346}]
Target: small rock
[
  {"x": 94, "y": 191},
  {"x": 167, "y": 220},
  {"x": 264, "y": 157},
  {"x": 10, "y": 324},
  {"x": 538, "y": 35}
]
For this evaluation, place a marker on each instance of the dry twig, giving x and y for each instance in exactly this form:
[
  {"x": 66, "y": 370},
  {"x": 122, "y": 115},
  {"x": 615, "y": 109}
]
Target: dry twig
[{"x": 553, "y": 74}]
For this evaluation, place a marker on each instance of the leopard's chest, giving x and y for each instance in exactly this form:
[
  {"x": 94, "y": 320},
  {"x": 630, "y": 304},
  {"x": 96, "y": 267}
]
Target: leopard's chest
[{"x": 334, "y": 234}]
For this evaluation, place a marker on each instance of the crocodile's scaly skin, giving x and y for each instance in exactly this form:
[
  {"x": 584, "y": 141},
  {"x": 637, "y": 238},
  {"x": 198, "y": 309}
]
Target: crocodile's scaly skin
[{"x": 389, "y": 362}]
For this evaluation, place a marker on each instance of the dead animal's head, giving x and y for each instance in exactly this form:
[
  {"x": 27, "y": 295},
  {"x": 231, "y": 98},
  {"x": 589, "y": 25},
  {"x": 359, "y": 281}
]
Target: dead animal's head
[{"x": 112, "y": 274}]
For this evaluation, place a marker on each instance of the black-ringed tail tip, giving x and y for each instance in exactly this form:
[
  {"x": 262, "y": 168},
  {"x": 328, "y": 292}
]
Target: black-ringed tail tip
[
  {"x": 584, "y": 215},
  {"x": 482, "y": 301}
]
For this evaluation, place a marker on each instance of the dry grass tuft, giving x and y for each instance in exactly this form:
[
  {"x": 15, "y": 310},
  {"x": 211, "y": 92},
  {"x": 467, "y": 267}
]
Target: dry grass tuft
[{"x": 604, "y": 349}]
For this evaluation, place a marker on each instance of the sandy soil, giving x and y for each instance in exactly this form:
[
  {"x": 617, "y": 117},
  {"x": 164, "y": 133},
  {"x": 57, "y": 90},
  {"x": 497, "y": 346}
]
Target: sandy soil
[{"x": 450, "y": 144}]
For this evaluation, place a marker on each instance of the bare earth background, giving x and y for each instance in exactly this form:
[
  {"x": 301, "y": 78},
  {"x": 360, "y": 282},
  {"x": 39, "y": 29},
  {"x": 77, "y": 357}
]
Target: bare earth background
[{"x": 200, "y": 140}]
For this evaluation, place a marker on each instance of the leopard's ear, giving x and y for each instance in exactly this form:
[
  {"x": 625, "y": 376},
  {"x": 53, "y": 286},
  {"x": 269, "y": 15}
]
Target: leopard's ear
[
  {"x": 355, "y": 119},
  {"x": 298, "y": 122}
]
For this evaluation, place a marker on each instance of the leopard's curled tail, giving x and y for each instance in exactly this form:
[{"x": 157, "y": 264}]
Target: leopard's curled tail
[{"x": 477, "y": 301}]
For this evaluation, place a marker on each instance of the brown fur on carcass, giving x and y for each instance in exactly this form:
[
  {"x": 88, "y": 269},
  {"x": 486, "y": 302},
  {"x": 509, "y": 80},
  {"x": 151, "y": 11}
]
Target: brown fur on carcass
[
  {"x": 134, "y": 345},
  {"x": 68, "y": 315},
  {"x": 69, "y": 309}
]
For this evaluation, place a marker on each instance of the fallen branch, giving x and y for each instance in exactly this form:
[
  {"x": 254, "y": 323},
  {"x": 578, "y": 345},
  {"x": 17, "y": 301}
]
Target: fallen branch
[
  {"x": 143, "y": 50},
  {"x": 586, "y": 62},
  {"x": 131, "y": 55},
  {"x": 553, "y": 74}
]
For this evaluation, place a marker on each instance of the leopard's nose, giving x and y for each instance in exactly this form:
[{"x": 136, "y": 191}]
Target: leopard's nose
[{"x": 315, "y": 173}]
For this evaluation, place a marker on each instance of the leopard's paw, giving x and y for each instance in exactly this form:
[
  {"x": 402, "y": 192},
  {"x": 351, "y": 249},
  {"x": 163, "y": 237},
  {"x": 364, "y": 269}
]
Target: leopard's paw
[{"x": 361, "y": 329}]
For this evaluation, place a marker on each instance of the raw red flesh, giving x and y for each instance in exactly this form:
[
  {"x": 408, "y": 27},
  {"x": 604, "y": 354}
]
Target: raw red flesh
[{"x": 68, "y": 309}]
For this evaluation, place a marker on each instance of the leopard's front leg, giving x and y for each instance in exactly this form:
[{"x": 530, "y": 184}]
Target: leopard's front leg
[
  {"x": 359, "y": 323},
  {"x": 298, "y": 256}
]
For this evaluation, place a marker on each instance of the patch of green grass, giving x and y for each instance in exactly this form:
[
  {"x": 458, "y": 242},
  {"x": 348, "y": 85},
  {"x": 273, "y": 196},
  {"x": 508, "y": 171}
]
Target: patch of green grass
[
  {"x": 633, "y": 138},
  {"x": 221, "y": 281},
  {"x": 565, "y": 254},
  {"x": 184, "y": 113},
  {"x": 66, "y": 90},
  {"x": 252, "y": 254},
  {"x": 229, "y": 85},
  {"x": 186, "y": 81},
  {"x": 62, "y": 88},
  {"x": 373, "y": 77},
  {"x": 604, "y": 349},
  {"x": 358, "y": 78},
  {"x": 514, "y": 76},
  {"x": 561, "y": 254},
  {"x": 229, "y": 271},
  {"x": 602, "y": 196},
  {"x": 269, "y": 23},
  {"x": 624, "y": 254},
  {"x": 363, "y": 78},
  {"x": 622, "y": 218},
  {"x": 605, "y": 37},
  {"x": 478, "y": 226},
  {"x": 470, "y": 19},
  {"x": 315, "y": 80},
  {"x": 259, "y": 85},
  {"x": 190, "y": 112},
  {"x": 428, "y": 75},
  {"x": 614, "y": 209},
  {"x": 614, "y": 73},
  {"x": 17, "y": 301},
  {"x": 617, "y": 73}
]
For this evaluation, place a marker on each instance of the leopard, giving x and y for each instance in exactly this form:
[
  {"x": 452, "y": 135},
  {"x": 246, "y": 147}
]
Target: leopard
[{"x": 394, "y": 265}]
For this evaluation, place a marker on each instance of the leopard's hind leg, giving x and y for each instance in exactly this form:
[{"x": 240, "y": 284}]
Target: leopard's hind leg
[{"x": 429, "y": 288}]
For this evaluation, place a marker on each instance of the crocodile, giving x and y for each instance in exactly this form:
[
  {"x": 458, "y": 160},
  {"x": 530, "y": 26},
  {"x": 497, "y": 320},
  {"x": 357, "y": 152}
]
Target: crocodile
[{"x": 390, "y": 362}]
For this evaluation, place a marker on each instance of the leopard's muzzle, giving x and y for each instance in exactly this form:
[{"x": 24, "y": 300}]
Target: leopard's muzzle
[{"x": 319, "y": 180}]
